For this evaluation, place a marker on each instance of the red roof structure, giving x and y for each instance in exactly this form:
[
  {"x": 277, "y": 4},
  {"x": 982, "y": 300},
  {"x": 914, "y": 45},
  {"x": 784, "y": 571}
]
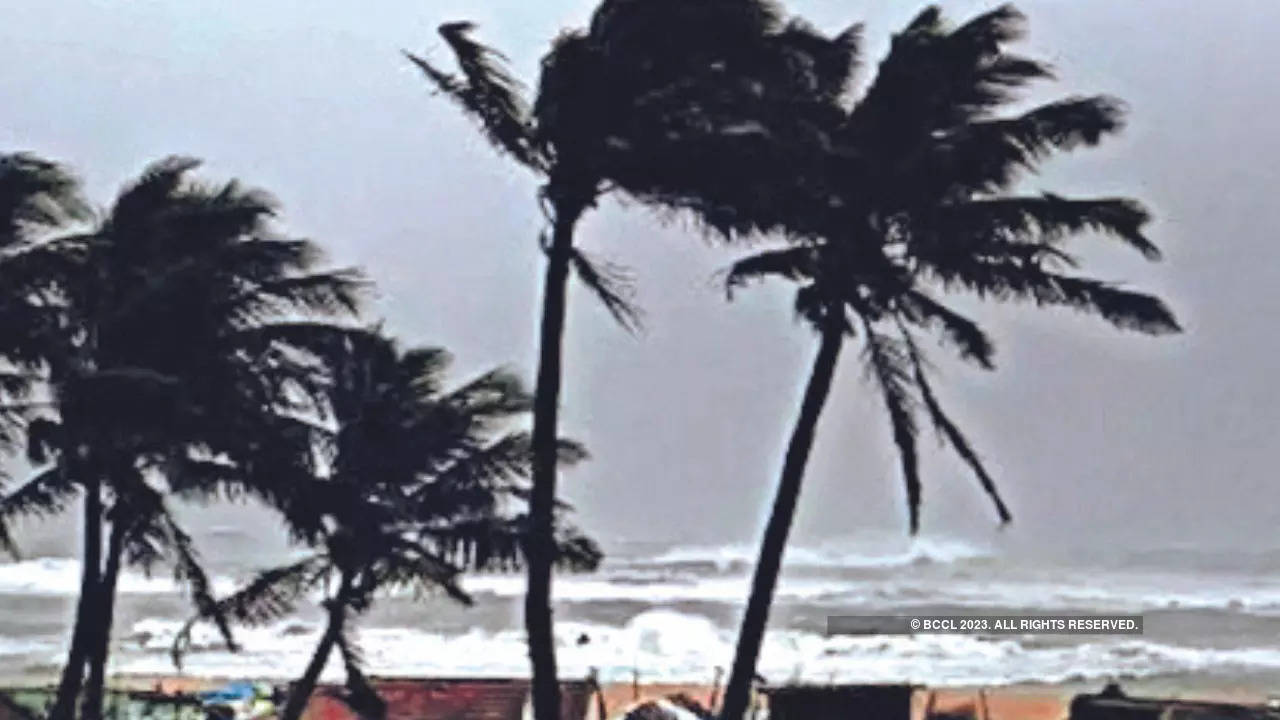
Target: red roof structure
[{"x": 450, "y": 699}]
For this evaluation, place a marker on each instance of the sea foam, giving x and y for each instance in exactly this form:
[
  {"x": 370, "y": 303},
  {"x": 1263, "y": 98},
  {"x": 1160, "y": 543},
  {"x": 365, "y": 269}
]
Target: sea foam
[{"x": 663, "y": 645}]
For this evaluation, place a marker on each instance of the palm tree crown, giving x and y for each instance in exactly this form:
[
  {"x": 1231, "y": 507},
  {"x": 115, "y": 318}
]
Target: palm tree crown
[
  {"x": 413, "y": 483},
  {"x": 167, "y": 345},
  {"x": 919, "y": 200},
  {"x": 38, "y": 199}
]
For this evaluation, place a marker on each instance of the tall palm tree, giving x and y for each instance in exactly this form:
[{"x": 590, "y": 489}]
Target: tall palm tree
[
  {"x": 685, "y": 106},
  {"x": 38, "y": 199},
  {"x": 415, "y": 483},
  {"x": 921, "y": 196},
  {"x": 174, "y": 336}
]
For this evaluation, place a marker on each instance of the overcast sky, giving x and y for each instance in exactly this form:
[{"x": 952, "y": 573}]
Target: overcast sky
[{"x": 1096, "y": 437}]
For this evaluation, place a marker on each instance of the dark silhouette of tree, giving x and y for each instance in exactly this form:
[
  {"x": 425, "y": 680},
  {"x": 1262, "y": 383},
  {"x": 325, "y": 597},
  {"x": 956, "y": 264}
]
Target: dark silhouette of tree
[
  {"x": 918, "y": 195},
  {"x": 172, "y": 338},
  {"x": 680, "y": 105},
  {"x": 38, "y": 199},
  {"x": 414, "y": 483}
]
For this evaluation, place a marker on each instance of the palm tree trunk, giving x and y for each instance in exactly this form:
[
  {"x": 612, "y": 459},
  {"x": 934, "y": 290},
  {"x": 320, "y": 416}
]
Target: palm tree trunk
[
  {"x": 737, "y": 693},
  {"x": 64, "y": 705},
  {"x": 539, "y": 548},
  {"x": 305, "y": 685},
  {"x": 100, "y": 646}
]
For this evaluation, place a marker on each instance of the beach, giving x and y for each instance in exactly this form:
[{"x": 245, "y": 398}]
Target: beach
[
  {"x": 1024, "y": 702},
  {"x": 668, "y": 615}
]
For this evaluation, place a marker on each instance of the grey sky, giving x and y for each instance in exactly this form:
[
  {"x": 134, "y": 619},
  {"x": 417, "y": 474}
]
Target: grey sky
[{"x": 1095, "y": 436}]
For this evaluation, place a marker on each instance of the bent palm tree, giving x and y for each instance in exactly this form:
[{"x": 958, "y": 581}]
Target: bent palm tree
[
  {"x": 919, "y": 200},
  {"x": 172, "y": 339},
  {"x": 687, "y": 106},
  {"x": 415, "y": 483}
]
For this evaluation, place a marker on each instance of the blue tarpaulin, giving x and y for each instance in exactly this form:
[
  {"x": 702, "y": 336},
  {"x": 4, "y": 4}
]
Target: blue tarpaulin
[{"x": 239, "y": 691}]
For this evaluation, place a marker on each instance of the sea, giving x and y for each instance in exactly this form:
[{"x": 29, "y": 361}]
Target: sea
[{"x": 669, "y": 613}]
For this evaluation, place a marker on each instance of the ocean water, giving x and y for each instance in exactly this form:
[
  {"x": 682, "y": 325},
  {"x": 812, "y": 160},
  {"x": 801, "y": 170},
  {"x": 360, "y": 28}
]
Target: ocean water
[{"x": 670, "y": 614}]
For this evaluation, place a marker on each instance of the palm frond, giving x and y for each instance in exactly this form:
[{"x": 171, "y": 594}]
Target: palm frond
[
  {"x": 493, "y": 543},
  {"x": 988, "y": 156},
  {"x": 1125, "y": 309},
  {"x": 1048, "y": 218},
  {"x": 488, "y": 466},
  {"x": 576, "y": 551},
  {"x": 140, "y": 201},
  {"x": 790, "y": 263},
  {"x": 36, "y": 195},
  {"x": 928, "y": 20},
  {"x": 613, "y": 285},
  {"x": 889, "y": 364},
  {"x": 331, "y": 292},
  {"x": 936, "y": 79},
  {"x": 494, "y": 394},
  {"x": 489, "y": 93},
  {"x": 269, "y": 596},
  {"x": 426, "y": 367},
  {"x": 416, "y": 565},
  {"x": 991, "y": 29},
  {"x": 189, "y": 571},
  {"x": 964, "y": 333},
  {"x": 47, "y": 494},
  {"x": 831, "y": 61},
  {"x": 150, "y": 533},
  {"x": 951, "y": 431},
  {"x": 210, "y": 215},
  {"x": 480, "y": 479}
]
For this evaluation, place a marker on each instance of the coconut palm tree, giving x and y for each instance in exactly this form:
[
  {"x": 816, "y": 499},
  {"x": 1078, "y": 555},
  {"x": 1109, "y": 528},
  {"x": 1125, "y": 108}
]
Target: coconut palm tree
[
  {"x": 38, "y": 199},
  {"x": 921, "y": 196},
  {"x": 682, "y": 106},
  {"x": 174, "y": 338},
  {"x": 415, "y": 482}
]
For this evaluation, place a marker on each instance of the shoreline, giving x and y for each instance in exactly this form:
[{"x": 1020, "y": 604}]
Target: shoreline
[{"x": 1024, "y": 701}]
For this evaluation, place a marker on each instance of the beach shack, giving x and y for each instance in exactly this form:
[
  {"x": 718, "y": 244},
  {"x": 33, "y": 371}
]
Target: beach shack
[
  {"x": 1111, "y": 704},
  {"x": 840, "y": 702},
  {"x": 450, "y": 699}
]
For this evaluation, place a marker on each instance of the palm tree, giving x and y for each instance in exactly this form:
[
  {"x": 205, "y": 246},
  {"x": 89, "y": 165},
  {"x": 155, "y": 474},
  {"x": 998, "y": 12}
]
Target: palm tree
[
  {"x": 415, "y": 483},
  {"x": 684, "y": 106},
  {"x": 921, "y": 196},
  {"x": 174, "y": 338},
  {"x": 37, "y": 199}
]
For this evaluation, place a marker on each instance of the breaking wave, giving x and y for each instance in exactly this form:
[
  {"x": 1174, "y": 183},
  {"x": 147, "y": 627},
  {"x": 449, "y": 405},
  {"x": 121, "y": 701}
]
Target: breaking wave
[
  {"x": 835, "y": 554},
  {"x": 664, "y": 645},
  {"x": 60, "y": 577}
]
